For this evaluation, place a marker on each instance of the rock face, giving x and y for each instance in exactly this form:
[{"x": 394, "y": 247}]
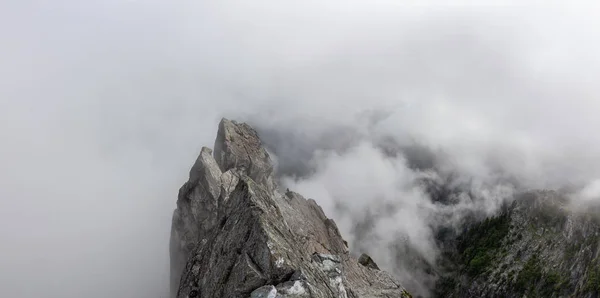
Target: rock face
[
  {"x": 537, "y": 247},
  {"x": 234, "y": 234}
]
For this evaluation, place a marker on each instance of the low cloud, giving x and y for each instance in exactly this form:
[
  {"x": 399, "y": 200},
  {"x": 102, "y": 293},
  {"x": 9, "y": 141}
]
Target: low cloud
[{"x": 380, "y": 111}]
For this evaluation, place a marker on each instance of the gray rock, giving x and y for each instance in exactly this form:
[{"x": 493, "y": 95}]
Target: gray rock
[
  {"x": 293, "y": 289},
  {"x": 206, "y": 172},
  {"x": 196, "y": 213},
  {"x": 238, "y": 147},
  {"x": 235, "y": 234},
  {"x": 264, "y": 292},
  {"x": 537, "y": 247},
  {"x": 367, "y": 261}
]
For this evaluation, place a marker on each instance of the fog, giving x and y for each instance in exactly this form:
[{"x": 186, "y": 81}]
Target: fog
[{"x": 104, "y": 106}]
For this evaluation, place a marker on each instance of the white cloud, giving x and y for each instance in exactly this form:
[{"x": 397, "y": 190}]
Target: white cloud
[{"x": 105, "y": 104}]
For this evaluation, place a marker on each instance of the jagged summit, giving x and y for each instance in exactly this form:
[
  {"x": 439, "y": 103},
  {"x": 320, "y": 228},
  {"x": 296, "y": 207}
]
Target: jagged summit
[
  {"x": 235, "y": 234},
  {"x": 238, "y": 146}
]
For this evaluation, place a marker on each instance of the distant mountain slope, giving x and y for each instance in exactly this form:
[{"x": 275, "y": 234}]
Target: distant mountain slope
[{"x": 535, "y": 247}]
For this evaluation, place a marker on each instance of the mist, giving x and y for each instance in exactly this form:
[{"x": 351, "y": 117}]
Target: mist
[{"x": 105, "y": 105}]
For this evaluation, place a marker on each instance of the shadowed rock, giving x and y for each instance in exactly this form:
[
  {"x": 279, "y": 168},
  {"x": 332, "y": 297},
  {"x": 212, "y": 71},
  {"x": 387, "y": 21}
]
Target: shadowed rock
[
  {"x": 235, "y": 234},
  {"x": 366, "y": 261}
]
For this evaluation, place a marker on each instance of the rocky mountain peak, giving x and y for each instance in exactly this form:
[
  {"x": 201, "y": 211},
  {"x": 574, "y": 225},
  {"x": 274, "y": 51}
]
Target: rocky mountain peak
[
  {"x": 238, "y": 146},
  {"x": 235, "y": 234}
]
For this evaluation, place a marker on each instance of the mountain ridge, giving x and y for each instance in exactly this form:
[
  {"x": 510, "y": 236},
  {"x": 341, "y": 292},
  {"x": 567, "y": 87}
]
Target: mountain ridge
[
  {"x": 235, "y": 234},
  {"x": 537, "y": 246}
]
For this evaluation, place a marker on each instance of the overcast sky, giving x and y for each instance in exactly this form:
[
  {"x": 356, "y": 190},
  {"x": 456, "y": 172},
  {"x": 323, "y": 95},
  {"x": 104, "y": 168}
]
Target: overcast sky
[{"x": 104, "y": 106}]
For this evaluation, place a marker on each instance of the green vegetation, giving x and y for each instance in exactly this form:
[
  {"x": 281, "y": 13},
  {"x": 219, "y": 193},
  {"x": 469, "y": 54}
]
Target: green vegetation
[
  {"x": 592, "y": 242},
  {"x": 552, "y": 279},
  {"x": 479, "y": 245},
  {"x": 571, "y": 250},
  {"x": 487, "y": 253},
  {"x": 593, "y": 282},
  {"x": 529, "y": 275},
  {"x": 553, "y": 283}
]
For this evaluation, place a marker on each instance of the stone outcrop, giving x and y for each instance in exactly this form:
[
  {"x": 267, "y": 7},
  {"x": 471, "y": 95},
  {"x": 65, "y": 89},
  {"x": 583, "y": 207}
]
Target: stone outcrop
[
  {"x": 367, "y": 261},
  {"x": 235, "y": 234}
]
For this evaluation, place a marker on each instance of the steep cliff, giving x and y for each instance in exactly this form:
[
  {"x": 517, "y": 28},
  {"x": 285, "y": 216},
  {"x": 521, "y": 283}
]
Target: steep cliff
[
  {"x": 538, "y": 246},
  {"x": 235, "y": 234}
]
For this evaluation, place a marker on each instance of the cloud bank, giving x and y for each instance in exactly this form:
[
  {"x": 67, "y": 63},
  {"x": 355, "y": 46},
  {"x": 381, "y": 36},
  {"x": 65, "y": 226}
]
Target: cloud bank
[{"x": 105, "y": 105}]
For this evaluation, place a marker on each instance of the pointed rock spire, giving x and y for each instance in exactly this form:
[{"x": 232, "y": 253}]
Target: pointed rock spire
[
  {"x": 238, "y": 146},
  {"x": 235, "y": 234}
]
